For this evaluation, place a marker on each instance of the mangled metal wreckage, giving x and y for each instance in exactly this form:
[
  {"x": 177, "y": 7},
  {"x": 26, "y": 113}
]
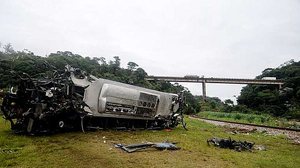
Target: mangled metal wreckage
[{"x": 74, "y": 100}]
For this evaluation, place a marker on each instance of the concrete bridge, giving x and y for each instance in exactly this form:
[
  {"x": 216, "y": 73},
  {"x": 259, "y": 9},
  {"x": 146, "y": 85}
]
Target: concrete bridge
[{"x": 197, "y": 79}]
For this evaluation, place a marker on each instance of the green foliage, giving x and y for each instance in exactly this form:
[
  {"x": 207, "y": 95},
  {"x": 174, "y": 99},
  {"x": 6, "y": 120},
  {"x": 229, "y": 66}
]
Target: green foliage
[
  {"x": 26, "y": 61},
  {"x": 96, "y": 149},
  {"x": 132, "y": 66},
  {"x": 284, "y": 102},
  {"x": 211, "y": 104},
  {"x": 263, "y": 119},
  {"x": 237, "y": 116},
  {"x": 228, "y": 102},
  {"x": 250, "y": 119},
  {"x": 267, "y": 98}
]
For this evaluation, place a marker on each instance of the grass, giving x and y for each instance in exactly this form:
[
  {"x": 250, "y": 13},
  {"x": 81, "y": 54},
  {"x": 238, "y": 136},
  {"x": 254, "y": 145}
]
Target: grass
[
  {"x": 76, "y": 149},
  {"x": 263, "y": 119}
]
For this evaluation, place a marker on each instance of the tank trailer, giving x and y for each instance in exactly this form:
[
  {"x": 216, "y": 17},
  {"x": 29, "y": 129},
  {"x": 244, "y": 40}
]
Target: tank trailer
[{"x": 74, "y": 100}]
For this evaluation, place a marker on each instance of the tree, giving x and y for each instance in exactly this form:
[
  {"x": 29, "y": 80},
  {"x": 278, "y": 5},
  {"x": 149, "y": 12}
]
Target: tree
[
  {"x": 26, "y": 61},
  {"x": 8, "y": 49},
  {"x": 132, "y": 66},
  {"x": 284, "y": 102},
  {"x": 139, "y": 76},
  {"x": 117, "y": 61},
  {"x": 103, "y": 61},
  {"x": 228, "y": 102}
]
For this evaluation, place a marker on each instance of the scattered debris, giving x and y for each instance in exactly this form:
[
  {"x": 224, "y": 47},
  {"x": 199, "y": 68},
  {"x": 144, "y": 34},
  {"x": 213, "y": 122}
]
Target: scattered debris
[
  {"x": 9, "y": 150},
  {"x": 234, "y": 131},
  {"x": 260, "y": 147},
  {"x": 291, "y": 135},
  {"x": 142, "y": 146},
  {"x": 231, "y": 144}
]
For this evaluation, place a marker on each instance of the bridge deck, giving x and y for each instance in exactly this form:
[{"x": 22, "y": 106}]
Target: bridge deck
[{"x": 215, "y": 80}]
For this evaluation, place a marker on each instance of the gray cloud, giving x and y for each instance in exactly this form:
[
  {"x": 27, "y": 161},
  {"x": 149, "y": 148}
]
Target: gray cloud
[{"x": 166, "y": 37}]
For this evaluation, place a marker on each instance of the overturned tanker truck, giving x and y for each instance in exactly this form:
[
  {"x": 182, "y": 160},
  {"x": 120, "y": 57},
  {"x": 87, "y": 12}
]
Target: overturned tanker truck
[{"x": 72, "y": 100}]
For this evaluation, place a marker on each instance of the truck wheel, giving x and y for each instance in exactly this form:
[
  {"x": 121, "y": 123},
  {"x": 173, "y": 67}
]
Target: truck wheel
[{"x": 61, "y": 124}]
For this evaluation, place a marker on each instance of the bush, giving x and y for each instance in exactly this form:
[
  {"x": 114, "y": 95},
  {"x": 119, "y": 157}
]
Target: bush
[
  {"x": 273, "y": 110},
  {"x": 221, "y": 115},
  {"x": 227, "y": 108},
  {"x": 262, "y": 119},
  {"x": 250, "y": 118},
  {"x": 237, "y": 116},
  {"x": 293, "y": 114},
  {"x": 242, "y": 109}
]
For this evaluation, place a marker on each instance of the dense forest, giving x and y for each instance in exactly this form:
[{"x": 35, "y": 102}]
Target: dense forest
[
  {"x": 26, "y": 61},
  {"x": 284, "y": 102},
  {"x": 270, "y": 99}
]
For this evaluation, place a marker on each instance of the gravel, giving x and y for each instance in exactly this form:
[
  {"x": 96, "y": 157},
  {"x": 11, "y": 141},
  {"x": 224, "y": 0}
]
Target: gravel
[{"x": 292, "y": 135}]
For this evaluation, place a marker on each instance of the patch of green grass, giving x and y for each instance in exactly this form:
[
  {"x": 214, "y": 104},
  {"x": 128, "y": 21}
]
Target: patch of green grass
[
  {"x": 263, "y": 119},
  {"x": 95, "y": 149}
]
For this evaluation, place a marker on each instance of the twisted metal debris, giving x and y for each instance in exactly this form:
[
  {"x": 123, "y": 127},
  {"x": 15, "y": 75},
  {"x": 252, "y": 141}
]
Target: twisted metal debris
[
  {"x": 137, "y": 147},
  {"x": 231, "y": 144}
]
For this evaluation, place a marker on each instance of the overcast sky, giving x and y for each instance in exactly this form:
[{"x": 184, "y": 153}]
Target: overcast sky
[{"x": 214, "y": 38}]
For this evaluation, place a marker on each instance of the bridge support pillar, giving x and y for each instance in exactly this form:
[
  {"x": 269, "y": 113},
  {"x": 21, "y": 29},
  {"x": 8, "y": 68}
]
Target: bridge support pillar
[{"x": 204, "y": 91}]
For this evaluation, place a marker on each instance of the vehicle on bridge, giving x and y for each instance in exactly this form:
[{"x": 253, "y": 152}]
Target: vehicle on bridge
[
  {"x": 269, "y": 78},
  {"x": 191, "y": 76}
]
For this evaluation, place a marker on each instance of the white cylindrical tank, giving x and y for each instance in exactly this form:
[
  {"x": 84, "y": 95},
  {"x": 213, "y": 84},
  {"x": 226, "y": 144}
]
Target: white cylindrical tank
[{"x": 115, "y": 99}]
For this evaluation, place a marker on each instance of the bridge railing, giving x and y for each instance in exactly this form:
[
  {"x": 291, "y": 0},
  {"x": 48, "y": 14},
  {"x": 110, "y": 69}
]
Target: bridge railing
[{"x": 216, "y": 80}]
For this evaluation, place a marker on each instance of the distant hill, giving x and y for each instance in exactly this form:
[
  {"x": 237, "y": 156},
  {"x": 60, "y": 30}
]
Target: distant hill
[
  {"x": 28, "y": 62},
  {"x": 268, "y": 99},
  {"x": 284, "y": 102}
]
